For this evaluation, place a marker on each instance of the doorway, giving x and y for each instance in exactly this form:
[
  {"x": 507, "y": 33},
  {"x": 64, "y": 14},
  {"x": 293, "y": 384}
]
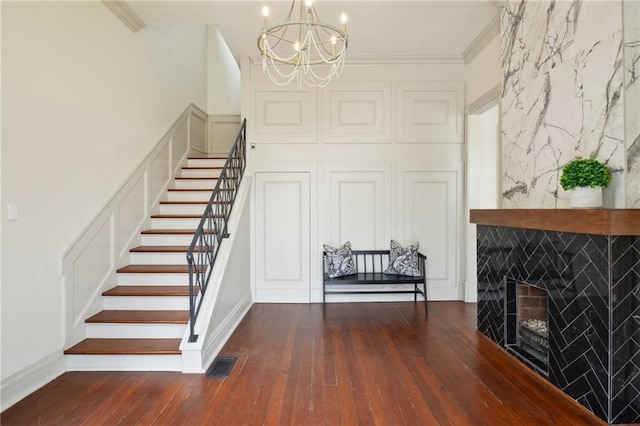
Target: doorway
[{"x": 483, "y": 178}]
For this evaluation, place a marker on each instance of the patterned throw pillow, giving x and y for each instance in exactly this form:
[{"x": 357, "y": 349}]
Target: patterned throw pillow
[
  {"x": 403, "y": 261},
  {"x": 339, "y": 261}
]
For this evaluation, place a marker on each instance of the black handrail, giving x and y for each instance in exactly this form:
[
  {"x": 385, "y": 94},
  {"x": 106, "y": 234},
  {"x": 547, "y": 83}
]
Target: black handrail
[{"x": 205, "y": 245}]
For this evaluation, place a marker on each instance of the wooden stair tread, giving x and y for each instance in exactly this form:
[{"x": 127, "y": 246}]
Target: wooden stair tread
[
  {"x": 156, "y": 269},
  {"x": 162, "y": 249},
  {"x": 204, "y": 203},
  {"x": 126, "y": 347},
  {"x": 195, "y": 177},
  {"x": 174, "y": 231},
  {"x": 176, "y": 216},
  {"x": 139, "y": 317},
  {"x": 189, "y": 189},
  {"x": 203, "y": 168},
  {"x": 148, "y": 290},
  {"x": 213, "y": 157}
]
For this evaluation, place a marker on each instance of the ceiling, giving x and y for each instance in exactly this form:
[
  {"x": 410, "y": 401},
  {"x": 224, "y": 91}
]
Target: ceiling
[{"x": 418, "y": 28}]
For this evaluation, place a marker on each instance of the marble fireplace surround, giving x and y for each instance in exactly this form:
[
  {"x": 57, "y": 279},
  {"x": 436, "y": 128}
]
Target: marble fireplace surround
[{"x": 589, "y": 262}]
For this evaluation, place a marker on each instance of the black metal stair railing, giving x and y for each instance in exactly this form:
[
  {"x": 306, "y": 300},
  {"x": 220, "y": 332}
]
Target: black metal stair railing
[{"x": 212, "y": 229}]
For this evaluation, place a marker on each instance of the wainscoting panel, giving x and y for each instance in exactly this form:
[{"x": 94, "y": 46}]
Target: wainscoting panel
[
  {"x": 198, "y": 133},
  {"x": 284, "y": 115},
  {"x": 282, "y": 238},
  {"x": 131, "y": 213},
  {"x": 159, "y": 172},
  {"x": 180, "y": 142},
  {"x": 222, "y": 132},
  {"x": 357, "y": 112},
  {"x": 96, "y": 261},
  {"x": 430, "y": 112},
  {"x": 358, "y": 202},
  {"x": 429, "y": 212}
]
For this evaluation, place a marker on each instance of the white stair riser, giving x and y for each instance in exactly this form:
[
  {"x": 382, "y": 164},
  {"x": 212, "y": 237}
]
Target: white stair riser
[
  {"x": 194, "y": 183},
  {"x": 189, "y": 196},
  {"x": 182, "y": 209},
  {"x": 174, "y": 223},
  {"x": 158, "y": 258},
  {"x": 135, "y": 331},
  {"x": 145, "y": 303},
  {"x": 124, "y": 362},
  {"x": 208, "y": 162},
  {"x": 200, "y": 173},
  {"x": 166, "y": 240},
  {"x": 153, "y": 279}
]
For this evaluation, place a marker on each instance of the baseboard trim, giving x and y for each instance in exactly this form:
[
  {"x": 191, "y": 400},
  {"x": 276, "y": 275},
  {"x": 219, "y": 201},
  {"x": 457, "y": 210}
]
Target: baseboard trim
[
  {"x": 222, "y": 333},
  {"x": 31, "y": 378}
]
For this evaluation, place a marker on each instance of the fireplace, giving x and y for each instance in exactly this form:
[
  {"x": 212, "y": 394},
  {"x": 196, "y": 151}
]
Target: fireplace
[
  {"x": 527, "y": 324},
  {"x": 588, "y": 261}
]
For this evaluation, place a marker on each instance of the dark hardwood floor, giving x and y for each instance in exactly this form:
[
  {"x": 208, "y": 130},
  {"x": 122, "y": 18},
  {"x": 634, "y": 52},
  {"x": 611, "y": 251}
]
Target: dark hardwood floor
[{"x": 365, "y": 363}]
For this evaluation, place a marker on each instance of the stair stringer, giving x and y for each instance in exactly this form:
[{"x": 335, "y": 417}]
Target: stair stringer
[{"x": 228, "y": 297}]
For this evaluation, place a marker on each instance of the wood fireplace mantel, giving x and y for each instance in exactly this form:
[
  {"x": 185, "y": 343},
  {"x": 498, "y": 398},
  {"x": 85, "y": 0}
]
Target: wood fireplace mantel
[{"x": 579, "y": 221}]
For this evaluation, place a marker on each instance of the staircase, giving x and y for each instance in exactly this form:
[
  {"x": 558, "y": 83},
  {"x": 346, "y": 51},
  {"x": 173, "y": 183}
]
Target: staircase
[{"x": 145, "y": 316}]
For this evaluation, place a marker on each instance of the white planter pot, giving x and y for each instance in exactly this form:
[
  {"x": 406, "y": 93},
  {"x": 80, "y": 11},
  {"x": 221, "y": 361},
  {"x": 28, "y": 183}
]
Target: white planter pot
[{"x": 587, "y": 197}]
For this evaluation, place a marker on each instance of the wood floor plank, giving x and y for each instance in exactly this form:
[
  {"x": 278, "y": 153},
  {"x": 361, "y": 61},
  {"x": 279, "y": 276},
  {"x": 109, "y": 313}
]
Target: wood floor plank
[{"x": 349, "y": 364}]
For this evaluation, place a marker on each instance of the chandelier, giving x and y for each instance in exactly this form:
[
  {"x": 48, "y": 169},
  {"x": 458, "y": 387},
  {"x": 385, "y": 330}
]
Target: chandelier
[{"x": 306, "y": 50}]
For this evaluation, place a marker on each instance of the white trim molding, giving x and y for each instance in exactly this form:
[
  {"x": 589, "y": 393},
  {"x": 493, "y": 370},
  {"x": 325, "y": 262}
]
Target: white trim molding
[
  {"x": 31, "y": 378},
  {"x": 125, "y": 14},
  {"x": 490, "y": 32},
  {"x": 485, "y": 101}
]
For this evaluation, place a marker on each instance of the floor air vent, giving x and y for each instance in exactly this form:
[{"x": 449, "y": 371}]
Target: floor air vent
[{"x": 222, "y": 366}]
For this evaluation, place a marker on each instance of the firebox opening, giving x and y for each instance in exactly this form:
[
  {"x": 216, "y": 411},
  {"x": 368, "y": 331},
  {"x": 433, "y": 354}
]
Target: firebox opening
[{"x": 528, "y": 325}]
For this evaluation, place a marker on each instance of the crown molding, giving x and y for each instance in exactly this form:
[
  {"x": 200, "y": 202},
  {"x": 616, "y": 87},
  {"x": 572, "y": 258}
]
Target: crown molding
[
  {"x": 484, "y": 38},
  {"x": 125, "y": 14},
  {"x": 367, "y": 59}
]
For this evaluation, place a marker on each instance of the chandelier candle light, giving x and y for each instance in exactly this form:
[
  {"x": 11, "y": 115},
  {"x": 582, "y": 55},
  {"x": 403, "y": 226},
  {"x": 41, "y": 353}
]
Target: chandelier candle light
[{"x": 307, "y": 50}]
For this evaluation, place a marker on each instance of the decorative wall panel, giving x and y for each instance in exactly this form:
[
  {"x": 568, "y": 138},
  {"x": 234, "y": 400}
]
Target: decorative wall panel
[
  {"x": 561, "y": 97},
  {"x": 159, "y": 172},
  {"x": 131, "y": 212},
  {"x": 428, "y": 213},
  {"x": 358, "y": 205},
  {"x": 282, "y": 236},
  {"x": 284, "y": 115},
  {"x": 430, "y": 112},
  {"x": 357, "y": 112},
  {"x": 180, "y": 142},
  {"x": 198, "y": 133},
  {"x": 96, "y": 260}
]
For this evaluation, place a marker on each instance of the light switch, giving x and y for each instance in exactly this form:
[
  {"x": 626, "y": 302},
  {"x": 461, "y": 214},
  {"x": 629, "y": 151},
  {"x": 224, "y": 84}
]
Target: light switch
[{"x": 13, "y": 212}]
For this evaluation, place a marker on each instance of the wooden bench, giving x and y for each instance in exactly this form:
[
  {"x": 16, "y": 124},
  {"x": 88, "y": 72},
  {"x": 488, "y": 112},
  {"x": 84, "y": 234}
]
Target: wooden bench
[{"x": 370, "y": 265}]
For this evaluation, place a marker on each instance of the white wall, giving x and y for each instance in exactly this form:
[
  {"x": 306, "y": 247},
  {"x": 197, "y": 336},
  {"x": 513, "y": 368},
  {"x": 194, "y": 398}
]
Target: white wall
[
  {"x": 223, "y": 76},
  {"x": 375, "y": 155},
  {"x": 84, "y": 100},
  {"x": 223, "y": 94}
]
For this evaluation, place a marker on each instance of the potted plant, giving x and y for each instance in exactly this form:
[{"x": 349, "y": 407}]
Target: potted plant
[{"x": 585, "y": 178}]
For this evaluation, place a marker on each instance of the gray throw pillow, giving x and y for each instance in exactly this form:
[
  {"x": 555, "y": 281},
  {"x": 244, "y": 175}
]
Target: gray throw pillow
[
  {"x": 403, "y": 261},
  {"x": 339, "y": 261}
]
